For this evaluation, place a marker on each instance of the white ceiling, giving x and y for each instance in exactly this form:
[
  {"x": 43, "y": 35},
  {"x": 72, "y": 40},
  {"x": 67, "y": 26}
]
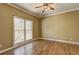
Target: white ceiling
[{"x": 59, "y": 7}]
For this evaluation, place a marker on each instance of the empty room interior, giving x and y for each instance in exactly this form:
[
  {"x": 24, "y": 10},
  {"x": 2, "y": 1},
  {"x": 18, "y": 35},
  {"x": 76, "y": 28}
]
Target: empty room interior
[{"x": 39, "y": 28}]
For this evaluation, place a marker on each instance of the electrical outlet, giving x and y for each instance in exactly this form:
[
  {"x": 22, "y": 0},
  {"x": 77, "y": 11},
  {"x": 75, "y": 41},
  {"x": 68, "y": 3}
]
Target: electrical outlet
[
  {"x": 0, "y": 45},
  {"x": 71, "y": 38},
  {"x": 65, "y": 37}
]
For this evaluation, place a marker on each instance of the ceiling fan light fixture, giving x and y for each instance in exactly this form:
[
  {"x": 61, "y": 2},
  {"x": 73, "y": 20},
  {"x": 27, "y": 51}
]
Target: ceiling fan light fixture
[{"x": 46, "y": 6}]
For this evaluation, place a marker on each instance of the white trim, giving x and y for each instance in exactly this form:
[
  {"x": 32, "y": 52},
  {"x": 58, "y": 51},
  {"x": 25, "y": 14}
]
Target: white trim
[
  {"x": 2, "y": 51},
  {"x": 61, "y": 40},
  {"x": 5, "y": 50},
  {"x": 63, "y": 12},
  {"x": 26, "y": 11}
]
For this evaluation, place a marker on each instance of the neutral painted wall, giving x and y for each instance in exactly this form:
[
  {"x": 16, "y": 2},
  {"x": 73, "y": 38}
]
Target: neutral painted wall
[
  {"x": 6, "y": 24},
  {"x": 62, "y": 26}
]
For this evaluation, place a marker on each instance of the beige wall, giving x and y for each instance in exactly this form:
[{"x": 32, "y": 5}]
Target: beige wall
[
  {"x": 62, "y": 26},
  {"x": 6, "y": 24}
]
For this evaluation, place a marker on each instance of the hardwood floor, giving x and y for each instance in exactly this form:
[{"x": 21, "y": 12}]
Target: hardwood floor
[{"x": 45, "y": 47}]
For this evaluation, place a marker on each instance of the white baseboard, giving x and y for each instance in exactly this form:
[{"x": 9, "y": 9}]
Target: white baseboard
[
  {"x": 5, "y": 50},
  {"x": 61, "y": 41},
  {"x": 2, "y": 51}
]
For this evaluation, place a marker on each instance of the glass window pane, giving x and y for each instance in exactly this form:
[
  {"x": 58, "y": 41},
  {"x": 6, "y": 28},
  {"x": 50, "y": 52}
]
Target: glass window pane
[
  {"x": 18, "y": 30},
  {"x": 19, "y": 36},
  {"x": 28, "y": 24},
  {"x": 18, "y": 24},
  {"x": 28, "y": 29}
]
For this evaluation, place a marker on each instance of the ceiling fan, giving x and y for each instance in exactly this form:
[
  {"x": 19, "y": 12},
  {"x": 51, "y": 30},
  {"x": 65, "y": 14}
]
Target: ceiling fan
[{"x": 46, "y": 6}]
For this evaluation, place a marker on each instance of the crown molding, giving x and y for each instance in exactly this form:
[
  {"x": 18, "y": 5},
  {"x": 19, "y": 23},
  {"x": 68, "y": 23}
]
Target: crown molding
[
  {"x": 26, "y": 11},
  {"x": 40, "y": 17},
  {"x": 63, "y": 12}
]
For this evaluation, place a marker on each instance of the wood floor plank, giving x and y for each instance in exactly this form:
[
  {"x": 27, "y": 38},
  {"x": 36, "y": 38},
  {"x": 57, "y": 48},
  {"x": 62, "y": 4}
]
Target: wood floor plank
[{"x": 45, "y": 47}]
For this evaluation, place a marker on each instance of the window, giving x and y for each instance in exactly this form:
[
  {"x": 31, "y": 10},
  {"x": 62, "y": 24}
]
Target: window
[
  {"x": 28, "y": 29},
  {"x": 22, "y": 30}
]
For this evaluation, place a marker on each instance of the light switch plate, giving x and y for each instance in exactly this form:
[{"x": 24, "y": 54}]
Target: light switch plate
[{"x": 0, "y": 45}]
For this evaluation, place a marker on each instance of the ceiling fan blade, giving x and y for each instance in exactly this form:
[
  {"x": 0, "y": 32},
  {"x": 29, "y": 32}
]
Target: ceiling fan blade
[
  {"x": 50, "y": 3},
  {"x": 38, "y": 6},
  {"x": 51, "y": 8}
]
